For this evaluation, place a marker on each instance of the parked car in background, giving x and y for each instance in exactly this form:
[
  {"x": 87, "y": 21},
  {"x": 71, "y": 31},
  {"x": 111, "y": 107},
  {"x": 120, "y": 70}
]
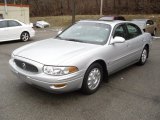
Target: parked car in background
[
  {"x": 14, "y": 30},
  {"x": 81, "y": 56},
  {"x": 146, "y": 25},
  {"x": 109, "y": 18},
  {"x": 41, "y": 24}
]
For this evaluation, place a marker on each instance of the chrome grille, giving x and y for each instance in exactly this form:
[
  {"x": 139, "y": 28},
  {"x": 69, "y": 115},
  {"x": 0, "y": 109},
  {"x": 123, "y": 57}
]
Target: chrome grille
[{"x": 26, "y": 66}]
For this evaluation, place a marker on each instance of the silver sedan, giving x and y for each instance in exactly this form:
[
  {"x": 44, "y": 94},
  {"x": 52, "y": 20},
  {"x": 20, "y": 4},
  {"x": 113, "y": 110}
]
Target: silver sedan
[{"x": 81, "y": 56}]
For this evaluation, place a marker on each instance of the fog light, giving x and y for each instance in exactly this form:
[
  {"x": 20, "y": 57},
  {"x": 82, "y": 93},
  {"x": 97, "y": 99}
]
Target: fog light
[{"x": 58, "y": 86}]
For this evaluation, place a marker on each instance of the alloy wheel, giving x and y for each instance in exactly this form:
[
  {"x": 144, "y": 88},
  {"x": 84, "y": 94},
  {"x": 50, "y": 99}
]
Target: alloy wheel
[{"x": 25, "y": 36}]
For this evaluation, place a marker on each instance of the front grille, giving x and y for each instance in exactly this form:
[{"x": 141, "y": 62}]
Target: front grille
[{"x": 26, "y": 66}]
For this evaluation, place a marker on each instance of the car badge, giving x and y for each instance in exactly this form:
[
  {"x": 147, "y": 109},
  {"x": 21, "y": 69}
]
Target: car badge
[{"x": 24, "y": 66}]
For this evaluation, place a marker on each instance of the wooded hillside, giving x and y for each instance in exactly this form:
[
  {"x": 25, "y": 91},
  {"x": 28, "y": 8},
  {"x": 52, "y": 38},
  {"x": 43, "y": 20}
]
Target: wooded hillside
[{"x": 63, "y": 7}]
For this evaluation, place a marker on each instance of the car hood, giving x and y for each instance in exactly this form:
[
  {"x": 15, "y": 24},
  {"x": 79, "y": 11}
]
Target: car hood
[{"x": 53, "y": 51}]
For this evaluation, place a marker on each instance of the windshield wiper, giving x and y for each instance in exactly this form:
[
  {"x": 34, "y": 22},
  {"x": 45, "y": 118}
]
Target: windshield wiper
[
  {"x": 58, "y": 37},
  {"x": 75, "y": 40},
  {"x": 68, "y": 39}
]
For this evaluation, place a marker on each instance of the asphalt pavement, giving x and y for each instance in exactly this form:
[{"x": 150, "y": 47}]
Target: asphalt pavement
[{"x": 131, "y": 94}]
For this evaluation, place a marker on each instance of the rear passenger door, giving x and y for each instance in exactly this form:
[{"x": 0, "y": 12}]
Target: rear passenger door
[
  {"x": 3, "y": 31},
  {"x": 134, "y": 41},
  {"x": 14, "y": 29}
]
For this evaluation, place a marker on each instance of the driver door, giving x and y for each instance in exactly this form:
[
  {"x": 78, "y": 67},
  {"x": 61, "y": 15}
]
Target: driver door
[{"x": 118, "y": 57}]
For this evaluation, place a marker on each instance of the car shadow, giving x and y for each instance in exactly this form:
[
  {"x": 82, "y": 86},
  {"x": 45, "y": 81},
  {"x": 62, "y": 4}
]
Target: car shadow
[
  {"x": 15, "y": 41},
  {"x": 119, "y": 73},
  {"x": 38, "y": 92}
]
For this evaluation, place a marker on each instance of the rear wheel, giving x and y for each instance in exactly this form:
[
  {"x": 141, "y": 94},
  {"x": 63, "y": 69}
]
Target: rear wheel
[
  {"x": 92, "y": 79},
  {"x": 25, "y": 36},
  {"x": 144, "y": 56}
]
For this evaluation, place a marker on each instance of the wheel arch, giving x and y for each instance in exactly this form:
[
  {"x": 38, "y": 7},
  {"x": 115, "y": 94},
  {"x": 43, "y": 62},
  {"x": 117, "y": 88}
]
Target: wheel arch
[
  {"x": 148, "y": 49},
  {"x": 104, "y": 66},
  {"x": 21, "y": 36},
  {"x": 26, "y": 32}
]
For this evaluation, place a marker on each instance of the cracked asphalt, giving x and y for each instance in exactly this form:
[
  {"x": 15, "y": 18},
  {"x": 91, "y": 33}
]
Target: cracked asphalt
[{"x": 131, "y": 94}]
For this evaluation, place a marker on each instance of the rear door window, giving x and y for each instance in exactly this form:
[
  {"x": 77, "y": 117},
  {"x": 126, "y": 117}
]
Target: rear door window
[
  {"x": 3, "y": 24},
  {"x": 133, "y": 31},
  {"x": 12, "y": 23}
]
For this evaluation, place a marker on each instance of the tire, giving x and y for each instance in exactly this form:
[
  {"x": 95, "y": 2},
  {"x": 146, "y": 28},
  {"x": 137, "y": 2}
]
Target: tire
[
  {"x": 92, "y": 79},
  {"x": 154, "y": 33},
  {"x": 144, "y": 56},
  {"x": 25, "y": 36}
]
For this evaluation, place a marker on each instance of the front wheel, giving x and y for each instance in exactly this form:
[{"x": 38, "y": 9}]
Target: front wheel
[
  {"x": 144, "y": 56},
  {"x": 25, "y": 36},
  {"x": 92, "y": 79}
]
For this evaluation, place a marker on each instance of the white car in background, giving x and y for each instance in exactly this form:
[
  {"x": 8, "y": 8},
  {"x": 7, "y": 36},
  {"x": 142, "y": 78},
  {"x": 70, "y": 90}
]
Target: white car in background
[
  {"x": 15, "y": 30},
  {"x": 42, "y": 24}
]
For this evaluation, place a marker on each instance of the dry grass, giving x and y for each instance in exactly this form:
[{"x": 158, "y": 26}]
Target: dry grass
[
  {"x": 63, "y": 21},
  {"x": 154, "y": 17}
]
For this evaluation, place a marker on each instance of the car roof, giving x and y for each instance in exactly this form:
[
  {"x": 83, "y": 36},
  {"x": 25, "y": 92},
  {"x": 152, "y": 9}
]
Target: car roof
[
  {"x": 8, "y": 19},
  {"x": 112, "y": 22}
]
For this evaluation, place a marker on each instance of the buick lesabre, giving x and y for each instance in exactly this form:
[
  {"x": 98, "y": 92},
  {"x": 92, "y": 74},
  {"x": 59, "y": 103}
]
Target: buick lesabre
[{"x": 81, "y": 56}]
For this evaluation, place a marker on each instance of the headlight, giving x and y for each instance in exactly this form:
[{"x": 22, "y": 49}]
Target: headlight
[{"x": 59, "y": 71}]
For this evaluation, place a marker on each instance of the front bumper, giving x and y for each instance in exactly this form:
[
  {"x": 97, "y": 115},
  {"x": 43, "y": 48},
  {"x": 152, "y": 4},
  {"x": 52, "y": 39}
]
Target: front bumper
[{"x": 57, "y": 84}]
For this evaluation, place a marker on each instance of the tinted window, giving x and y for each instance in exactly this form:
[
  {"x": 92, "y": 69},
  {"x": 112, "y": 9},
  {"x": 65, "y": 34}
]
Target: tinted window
[
  {"x": 148, "y": 23},
  {"x": 151, "y": 22},
  {"x": 133, "y": 31},
  {"x": 119, "y": 18},
  {"x": 13, "y": 23},
  {"x": 120, "y": 32},
  {"x": 3, "y": 24}
]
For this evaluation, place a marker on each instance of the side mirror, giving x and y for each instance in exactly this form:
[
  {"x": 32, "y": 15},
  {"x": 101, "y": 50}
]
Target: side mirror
[{"x": 117, "y": 40}]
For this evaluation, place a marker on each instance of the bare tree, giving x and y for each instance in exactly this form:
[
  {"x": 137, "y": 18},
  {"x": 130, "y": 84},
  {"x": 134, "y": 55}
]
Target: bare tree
[{"x": 63, "y": 7}]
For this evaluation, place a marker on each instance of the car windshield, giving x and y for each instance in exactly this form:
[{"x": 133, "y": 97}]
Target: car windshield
[{"x": 87, "y": 32}]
